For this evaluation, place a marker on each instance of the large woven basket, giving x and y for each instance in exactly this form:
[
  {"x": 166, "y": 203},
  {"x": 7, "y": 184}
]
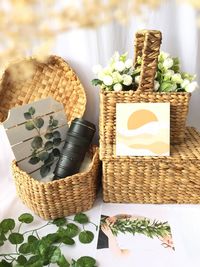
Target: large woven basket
[
  {"x": 53, "y": 78},
  {"x": 174, "y": 179},
  {"x": 147, "y": 45}
]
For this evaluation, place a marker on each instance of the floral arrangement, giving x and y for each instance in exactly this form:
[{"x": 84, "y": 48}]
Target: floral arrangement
[{"x": 120, "y": 75}]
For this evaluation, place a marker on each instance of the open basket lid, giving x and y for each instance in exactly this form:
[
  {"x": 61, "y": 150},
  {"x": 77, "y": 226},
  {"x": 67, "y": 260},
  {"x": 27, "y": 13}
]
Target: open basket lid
[{"x": 29, "y": 80}]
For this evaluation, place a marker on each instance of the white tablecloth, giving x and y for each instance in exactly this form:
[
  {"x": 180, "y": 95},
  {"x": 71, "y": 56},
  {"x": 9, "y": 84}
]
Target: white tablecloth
[{"x": 186, "y": 221}]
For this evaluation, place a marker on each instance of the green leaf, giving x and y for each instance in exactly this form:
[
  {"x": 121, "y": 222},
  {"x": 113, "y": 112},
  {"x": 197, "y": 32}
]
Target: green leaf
[
  {"x": 32, "y": 239},
  {"x": 56, "y": 141},
  {"x": 22, "y": 260},
  {"x": 33, "y": 259},
  {"x": 48, "y": 135},
  {"x": 25, "y": 248},
  {"x": 51, "y": 238},
  {"x": 50, "y": 159},
  {"x": 26, "y": 218},
  {"x": 1, "y": 242},
  {"x": 39, "y": 122},
  {"x": 27, "y": 116},
  {"x": 48, "y": 145},
  {"x": 86, "y": 237},
  {"x": 81, "y": 218},
  {"x": 16, "y": 238},
  {"x": 96, "y": 82},
  {"x": 29, "y": 125},
  {"x": 86, "y": 261},
  {"x": 62, "y": 262},
  {"x": 165, "y": 86},
  {"x": 43, "y": 155},
  {"x": 7, "y": 225},
  {"x": 34, "y": 160},
  {"x": 44, "y": 170},
  {"x": 56, "y": 134},
  {"x": 31, "y": 110},
  {"x": 4, "y": 263},
  {"x": 72, "y": 230},
  {"x": 68, "y": 240},
  {"x": 56, "y": 255},
  {"x": 59, "y": 222},
  {"x": 37, "y": 142},
  {"x": 56, "y": 152},
  {"x": 55, "y": 123}
]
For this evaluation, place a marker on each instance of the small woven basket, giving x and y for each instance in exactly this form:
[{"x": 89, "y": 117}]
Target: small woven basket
[
  {"x": 161, "y": 180},
  {"x": 147, "y": 45},
  {"x": 53, "y": 78}
]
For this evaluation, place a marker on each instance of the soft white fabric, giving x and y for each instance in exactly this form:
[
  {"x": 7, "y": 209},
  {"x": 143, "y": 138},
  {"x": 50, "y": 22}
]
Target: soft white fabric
[{"x": 84, "y": 48}]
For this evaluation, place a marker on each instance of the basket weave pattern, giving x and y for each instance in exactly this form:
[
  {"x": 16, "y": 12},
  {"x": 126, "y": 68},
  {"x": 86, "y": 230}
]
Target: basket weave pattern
[
  {"x": 62, "y": 197},
  {"x": 53, "y": 78},
  {"x": 173, "y": 179}
]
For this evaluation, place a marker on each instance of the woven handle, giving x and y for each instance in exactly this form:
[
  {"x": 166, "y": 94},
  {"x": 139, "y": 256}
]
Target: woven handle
[{"x": 147, "y": 46}]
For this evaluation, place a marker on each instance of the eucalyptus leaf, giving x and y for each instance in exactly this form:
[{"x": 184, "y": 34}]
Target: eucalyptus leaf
[
  {"x": 62, "y": 262},
  {"x": 44, "y": 170},
  {"x": 26, "y": 218},
  {"x": 27, "y": 116},
  {"x": 48, "y": 145},
  {"x": 56, "y": 141},
  {"x": 86, "y": 261},
  {"x": 22, "y": 260},
  {"x": 29, "y": 125},
  {"x": 32, "y": 239},
  {"x": 72, "y": 230},
  {"x": 7, "y": 225},
  {"x": 37, "y": 142},
  {"x": 31, "y": 110},
  {"x": 48, "y": 136},
  {"x": 43, "y": 155},
  {"x": 25, "y": 248},
  {"x": 81, "y": 218},
  {"x": 56, "y": 134},
  {"x": 68, "y": 240},
  {"x": 86, "y": 237},
  {"x": 34, "y": 160},
  {"x": 55, "y": 123},
  {"x": 59, "y": 222},
  {"x": 39, "y": 122},
  {"x": 56, "y": 152},
  {"x": 16, "y": 238}
]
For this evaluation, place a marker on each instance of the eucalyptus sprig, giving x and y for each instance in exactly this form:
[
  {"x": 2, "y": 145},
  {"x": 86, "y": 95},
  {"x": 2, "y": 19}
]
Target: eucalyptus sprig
[{"x": 32, "y": 250}]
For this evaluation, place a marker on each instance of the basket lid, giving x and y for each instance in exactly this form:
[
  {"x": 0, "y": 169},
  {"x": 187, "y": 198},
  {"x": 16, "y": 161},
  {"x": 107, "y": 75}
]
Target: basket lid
[{"x": 29, "y": 80}]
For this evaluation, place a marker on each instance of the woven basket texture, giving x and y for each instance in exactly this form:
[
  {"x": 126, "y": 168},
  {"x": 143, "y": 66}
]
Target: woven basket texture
[
  {"x": 147, "y": 45},
  {"x": 62, "y": 197},
  {"x": 173, "y": 179},
  {"x": 29, "y": 80}
]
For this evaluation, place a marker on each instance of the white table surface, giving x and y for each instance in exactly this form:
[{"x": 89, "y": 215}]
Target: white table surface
[{"x": 185, "y": 218}]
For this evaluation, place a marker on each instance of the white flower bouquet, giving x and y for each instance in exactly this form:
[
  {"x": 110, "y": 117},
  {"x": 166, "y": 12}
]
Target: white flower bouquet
[{"x": 120, "y": 75}]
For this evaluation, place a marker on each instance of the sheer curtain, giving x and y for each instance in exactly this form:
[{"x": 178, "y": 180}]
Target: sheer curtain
[{"x": 83, "y": 48}]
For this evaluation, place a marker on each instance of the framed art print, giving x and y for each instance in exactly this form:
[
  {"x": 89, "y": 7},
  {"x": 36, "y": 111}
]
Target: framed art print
[{"x": 142, "y": 129}]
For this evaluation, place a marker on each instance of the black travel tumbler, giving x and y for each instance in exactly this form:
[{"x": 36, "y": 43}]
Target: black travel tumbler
[{"x": 79, "y": 137}]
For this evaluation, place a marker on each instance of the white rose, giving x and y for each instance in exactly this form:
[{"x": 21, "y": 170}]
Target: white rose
[
  {"x": 108, "y": 80},
  {"x": 137, "y": 79},
  {"x": 128, "y": 63},
  {"x": 191, "y": 87},
  {"x": 156, "y": 85},
  {"x": 119, "y": 66},
  {"x": 96, "y": 69},
  {"x": 163, "y": 55},
  {"x": 169, "y": 73},
  {"x": 117, "y": 77},
  {"x": 185, "y": 83},
  {"x": 117, "y": 87},
  {"x": 116, "y": 56},
  {"x": 177, "y": 78},
  {"x": 168, "y": 63},
  {"x": 174, "y": 87},
  {"x": 127, "y": 79}
]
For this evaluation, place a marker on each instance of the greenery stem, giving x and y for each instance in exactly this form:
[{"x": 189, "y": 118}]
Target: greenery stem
[{"x": 37, "y": 229}]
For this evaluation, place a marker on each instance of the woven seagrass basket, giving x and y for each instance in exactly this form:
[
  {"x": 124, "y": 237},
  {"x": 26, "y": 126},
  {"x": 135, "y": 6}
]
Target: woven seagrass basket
[
  {"x": 53, "y": 78},
  {"x": 174, "y": 179},
  {"x": 147, "y": 45}
]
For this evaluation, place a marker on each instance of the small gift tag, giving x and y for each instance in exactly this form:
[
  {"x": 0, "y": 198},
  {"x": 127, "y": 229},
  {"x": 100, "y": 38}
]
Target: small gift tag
[{"x": 36, "y": 133}]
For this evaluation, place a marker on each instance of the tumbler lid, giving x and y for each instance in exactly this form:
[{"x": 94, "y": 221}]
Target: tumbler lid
[{"x": 85, "y": 123}]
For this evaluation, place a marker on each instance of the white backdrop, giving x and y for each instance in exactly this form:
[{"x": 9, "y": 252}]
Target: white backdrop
[{"x": 83, "y": 48}]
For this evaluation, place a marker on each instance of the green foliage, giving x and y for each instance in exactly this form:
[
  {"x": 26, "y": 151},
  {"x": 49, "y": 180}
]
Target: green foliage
[
  {"x": 81, "y": 218},
  {"x": 96, "y": 82},
  {"x": 44, "y": 148},
  {"x": 35, "y": 251}
]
